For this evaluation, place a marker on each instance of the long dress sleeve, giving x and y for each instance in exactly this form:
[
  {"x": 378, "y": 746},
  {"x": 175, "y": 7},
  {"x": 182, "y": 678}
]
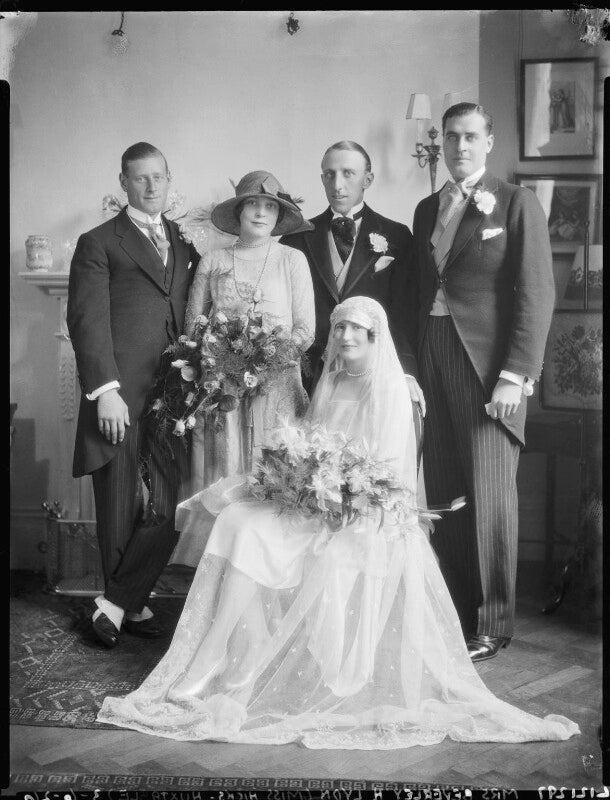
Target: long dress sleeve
[
  {"x": 200, "y": 295},
  {"x": 303, "y": 304}
]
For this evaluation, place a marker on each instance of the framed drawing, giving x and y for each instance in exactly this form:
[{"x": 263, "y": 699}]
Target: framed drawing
[
  {"x": 569, "y": 202},
  {"x": 572, "y": 375},
  {"x": 558, "y": 108}
]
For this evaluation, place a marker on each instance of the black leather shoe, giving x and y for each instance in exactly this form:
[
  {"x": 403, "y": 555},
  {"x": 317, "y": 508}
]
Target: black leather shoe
[
  {"x": 147, "y": 628},
  {"x": 105, "y": 630},
  {"x": 481, "y": 647}
]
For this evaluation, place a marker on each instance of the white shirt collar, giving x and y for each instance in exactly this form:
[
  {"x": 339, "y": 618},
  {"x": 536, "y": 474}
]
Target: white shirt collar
[
  {"x": 141, "y": 216},
  {"x": 467, "y": 184},
  {"x": 350, "y": 213}
]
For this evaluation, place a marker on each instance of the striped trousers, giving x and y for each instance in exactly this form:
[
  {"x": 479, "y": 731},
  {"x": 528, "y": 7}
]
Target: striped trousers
[
  {"x": 468, "y": 453},
  {"x": 134, "y": 544}
]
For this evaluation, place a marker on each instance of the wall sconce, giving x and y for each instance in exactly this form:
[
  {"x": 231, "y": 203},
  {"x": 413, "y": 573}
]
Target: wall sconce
[{"x": 419, "y": 109}]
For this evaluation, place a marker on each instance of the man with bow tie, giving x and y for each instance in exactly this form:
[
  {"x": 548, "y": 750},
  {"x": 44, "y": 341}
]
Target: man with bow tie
[
  {"x": 355, "y": 251},
  {"x": 486, "y": 302},
  {"x": 129, "y": 281}
]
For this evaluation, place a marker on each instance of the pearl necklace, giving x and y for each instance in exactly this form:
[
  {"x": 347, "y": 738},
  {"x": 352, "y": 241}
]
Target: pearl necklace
[
  {"x": 247, "y": 244},
  {"x": 239, "y": 294},
  {"x": 358, "y": 374}
]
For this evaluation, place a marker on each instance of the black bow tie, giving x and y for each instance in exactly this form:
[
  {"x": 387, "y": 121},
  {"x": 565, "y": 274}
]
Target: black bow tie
[{"x": 344, "y": 233}]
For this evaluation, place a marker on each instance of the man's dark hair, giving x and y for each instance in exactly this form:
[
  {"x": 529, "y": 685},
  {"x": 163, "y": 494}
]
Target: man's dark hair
[
  {"x": 347, "y": 145},
  {"x": 462, "y": 109},
  {"x": 140, "y": 150}
]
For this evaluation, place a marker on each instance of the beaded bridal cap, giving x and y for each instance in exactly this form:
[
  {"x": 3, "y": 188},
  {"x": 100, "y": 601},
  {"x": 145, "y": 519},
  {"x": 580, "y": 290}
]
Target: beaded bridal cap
[
  {"x": 361, "y": 310},
  {"x": 256, "y": 184}
]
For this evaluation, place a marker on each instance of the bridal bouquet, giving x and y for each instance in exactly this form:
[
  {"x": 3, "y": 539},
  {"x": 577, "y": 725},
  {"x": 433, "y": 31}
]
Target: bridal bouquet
[
  {"x": 318, "y": 472},
  {"x": 223, "y": 362}
]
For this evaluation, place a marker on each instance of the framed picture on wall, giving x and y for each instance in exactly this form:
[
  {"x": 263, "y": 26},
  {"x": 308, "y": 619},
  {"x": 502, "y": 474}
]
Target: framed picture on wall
[
  {"x": 558, "y": 108},
  {"x": 572, "y": 375},
  {"x": 569, "y": 274},
  {"x": 569, "y": 202}
]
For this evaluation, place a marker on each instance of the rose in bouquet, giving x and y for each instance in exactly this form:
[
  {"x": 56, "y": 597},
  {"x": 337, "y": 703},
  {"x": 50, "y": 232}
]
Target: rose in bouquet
[
  {"x": 225, "y": 361},
  {"x": 314, "y": 471},
  {"x": 244, "y": 353}
]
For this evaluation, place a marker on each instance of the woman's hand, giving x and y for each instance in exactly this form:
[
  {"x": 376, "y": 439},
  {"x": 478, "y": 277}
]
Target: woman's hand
[{"x": 417, "y": 395}]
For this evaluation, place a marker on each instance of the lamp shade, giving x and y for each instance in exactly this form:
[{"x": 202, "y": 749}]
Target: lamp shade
[
  {"x": 419, "y": 107},
  {"x": 450, "y": 99}
]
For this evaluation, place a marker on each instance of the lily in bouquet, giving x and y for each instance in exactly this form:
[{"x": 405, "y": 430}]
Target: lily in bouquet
[{"x": 314, "y": 471}]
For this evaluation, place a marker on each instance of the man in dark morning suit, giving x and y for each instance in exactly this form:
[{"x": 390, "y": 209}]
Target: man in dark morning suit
[
  {"x": 354, "y": 251},
  {"x": 129, "y": 281},
  {"x": 486, "y": 301}
]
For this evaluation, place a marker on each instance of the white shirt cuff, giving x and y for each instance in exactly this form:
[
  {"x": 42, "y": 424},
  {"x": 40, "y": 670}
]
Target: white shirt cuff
[
  {"x": 101, "y": 389},
  {"x": 524, "y": 382}
]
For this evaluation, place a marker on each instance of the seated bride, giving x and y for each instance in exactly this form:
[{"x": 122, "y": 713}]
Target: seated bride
[{"x": 333, "y": 635}]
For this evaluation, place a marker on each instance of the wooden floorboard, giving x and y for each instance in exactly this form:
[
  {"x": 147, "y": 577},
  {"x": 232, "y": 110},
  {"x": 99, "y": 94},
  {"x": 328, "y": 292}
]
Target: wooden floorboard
[{"x": 553, "y": 666}]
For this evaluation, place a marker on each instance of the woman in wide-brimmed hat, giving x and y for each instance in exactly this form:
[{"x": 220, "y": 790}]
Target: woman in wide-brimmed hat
[{"x": 255, "y": 269}]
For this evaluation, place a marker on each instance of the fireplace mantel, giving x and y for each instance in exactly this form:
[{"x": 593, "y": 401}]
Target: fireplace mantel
[
  {"x": 55, "y": 283},
  {"x": 76, "y": 495}
]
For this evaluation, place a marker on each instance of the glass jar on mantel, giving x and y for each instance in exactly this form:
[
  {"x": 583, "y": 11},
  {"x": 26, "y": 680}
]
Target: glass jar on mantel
[{"x": 38, "y": 253}]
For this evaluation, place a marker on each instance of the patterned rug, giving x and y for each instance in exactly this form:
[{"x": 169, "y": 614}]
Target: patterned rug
[{"x": 60, "y": 672}]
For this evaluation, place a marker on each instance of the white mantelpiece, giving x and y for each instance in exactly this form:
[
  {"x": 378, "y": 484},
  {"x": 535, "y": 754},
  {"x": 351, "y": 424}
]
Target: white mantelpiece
[{"x": 76, "y": 495}]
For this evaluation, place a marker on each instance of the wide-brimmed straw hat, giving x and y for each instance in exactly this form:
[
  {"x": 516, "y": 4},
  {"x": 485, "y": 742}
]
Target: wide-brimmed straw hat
[{"x": 256, "y": 184}]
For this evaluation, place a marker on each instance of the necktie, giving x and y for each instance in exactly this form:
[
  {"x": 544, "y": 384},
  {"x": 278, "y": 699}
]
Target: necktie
[
  {"x": 451, "y": 197},
  {"x": 156, "y": 235},
  {"x": 344, "y": 233}
]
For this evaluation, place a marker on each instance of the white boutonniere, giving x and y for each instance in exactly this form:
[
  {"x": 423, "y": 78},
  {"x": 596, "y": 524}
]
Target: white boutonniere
[
  {"x": 484, "y": 201},
  {"x": 378, "y": 242}
]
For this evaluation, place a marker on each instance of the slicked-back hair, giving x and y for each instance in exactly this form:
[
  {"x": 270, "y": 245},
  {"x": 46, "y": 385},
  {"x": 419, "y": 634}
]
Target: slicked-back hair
[
  {"x": 348, "y": 145},
  {"x": 140, "y": 150},
  {"x": 462, "y": 109}
]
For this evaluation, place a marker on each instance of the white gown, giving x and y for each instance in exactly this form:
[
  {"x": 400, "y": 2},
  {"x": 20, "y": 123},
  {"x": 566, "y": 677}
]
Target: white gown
[{"x": 364, "y": 647}]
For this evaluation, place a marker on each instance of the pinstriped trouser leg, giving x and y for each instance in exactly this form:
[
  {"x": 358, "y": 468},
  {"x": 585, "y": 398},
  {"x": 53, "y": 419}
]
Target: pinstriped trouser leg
[
  {"x": 466, "y": 452},
  {"x": 135, "y": 549}
]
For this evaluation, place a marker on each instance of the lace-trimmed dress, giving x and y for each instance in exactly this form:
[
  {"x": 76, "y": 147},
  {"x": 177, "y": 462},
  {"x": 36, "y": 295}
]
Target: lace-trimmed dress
[{"x": 287, "y": 300}]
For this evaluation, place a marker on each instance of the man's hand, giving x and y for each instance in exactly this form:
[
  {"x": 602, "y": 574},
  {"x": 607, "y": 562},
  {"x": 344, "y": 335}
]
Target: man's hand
[
  {"x": 505, "y": 399},
  {"x": 417, "y": 396},
  {"x": 112, "y": 416}
]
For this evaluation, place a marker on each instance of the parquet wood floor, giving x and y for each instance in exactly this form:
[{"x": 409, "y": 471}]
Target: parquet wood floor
[{"x": 553, "y": 665}]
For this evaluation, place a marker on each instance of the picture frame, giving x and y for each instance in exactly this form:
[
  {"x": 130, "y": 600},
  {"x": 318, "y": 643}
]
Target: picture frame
[
  {"x": 569, "y": 202},
  {"x": 568, "y": 272},
  {"x": 558, "y": 108},
  {"x": 572, "y": 375}
]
